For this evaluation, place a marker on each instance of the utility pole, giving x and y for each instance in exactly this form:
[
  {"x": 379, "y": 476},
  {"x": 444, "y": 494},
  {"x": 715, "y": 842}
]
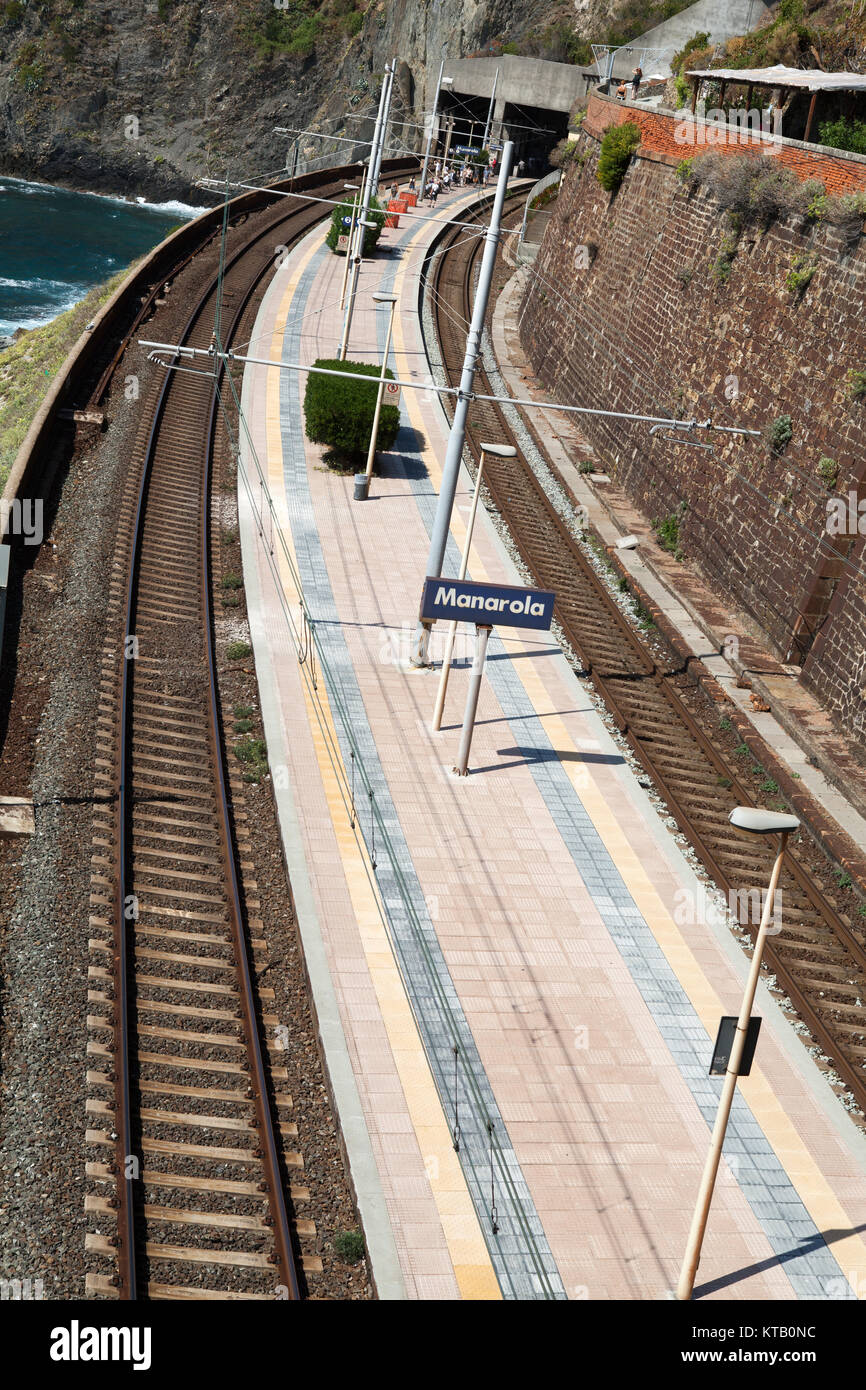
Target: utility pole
[
  {"x": 490, "y": 111},
  {"x": 356, "y": 251},
  {"x": 456, "y": 439}
]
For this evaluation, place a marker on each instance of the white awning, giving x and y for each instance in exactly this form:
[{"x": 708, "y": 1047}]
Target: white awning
[{"x": 810, "y": 79}]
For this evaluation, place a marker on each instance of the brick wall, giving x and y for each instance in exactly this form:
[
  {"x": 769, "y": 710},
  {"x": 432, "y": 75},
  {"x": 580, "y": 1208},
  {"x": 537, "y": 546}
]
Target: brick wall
[
  {"x": 676, "y": 137},
  {"x": 648, "y": 328}
]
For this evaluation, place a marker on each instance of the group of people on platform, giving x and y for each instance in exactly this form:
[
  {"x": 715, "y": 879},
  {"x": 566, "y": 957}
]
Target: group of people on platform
[{"x": 446, "y": 176}]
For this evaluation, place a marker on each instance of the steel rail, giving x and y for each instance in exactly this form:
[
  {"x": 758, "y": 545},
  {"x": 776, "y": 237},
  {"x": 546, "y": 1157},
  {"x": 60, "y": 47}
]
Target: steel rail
[{"x": 127, "y": 1160}]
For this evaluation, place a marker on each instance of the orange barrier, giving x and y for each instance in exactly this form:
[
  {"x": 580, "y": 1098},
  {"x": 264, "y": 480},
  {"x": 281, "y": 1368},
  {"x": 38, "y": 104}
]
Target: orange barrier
[
  {"x": 411, "y": 199},
  {"x": 395, "y": 206}
]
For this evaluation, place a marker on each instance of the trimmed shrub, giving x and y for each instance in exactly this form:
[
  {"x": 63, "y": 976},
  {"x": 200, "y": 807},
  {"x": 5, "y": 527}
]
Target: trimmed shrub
[
  {"x": 340, "y": 413},
  {"x": 371, "y": 234},
  {"x": 617, "y": 147}
]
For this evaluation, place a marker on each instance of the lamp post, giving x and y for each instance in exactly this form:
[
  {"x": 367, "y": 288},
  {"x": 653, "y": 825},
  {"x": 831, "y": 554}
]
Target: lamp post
[
  {"x": 356, "y": 189},
  {"x": 503, "y": 451},
  {"x": 440, "y": 83},
  {"x": 362, "y": 480},
  {"x": 756, "y": 822}
]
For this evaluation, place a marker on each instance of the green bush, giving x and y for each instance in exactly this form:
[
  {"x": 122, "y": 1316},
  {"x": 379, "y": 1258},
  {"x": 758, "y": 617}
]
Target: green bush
[
  {"x": 801, "y": 272},
  {"x": 829, "y": 471},
  {"x": 352, "y": 23},
  {"x": 340, "y": 413},
  {"x": 371, "y": 234},
  {"x": 236, "y": 651},
  {"x": 856, "y": 383},
  {"x": 779, "y": 435},
  {"x": 617, "y": 147},
  {"x": 843, "y": 135}
]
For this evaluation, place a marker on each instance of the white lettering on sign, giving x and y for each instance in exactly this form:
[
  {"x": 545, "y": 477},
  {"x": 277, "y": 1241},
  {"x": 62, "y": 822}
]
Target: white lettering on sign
[{"x": 487, "y": 603}]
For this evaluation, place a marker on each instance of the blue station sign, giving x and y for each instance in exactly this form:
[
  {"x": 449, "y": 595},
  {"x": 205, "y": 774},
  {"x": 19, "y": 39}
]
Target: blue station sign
[{"x": 500, "y": 605}]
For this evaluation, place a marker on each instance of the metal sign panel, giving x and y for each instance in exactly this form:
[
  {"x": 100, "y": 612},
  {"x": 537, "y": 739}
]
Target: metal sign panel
[
  {"x": 342, "y": 243},
  {"x": 347, "y": 221},
  {"x": 725, "y": 1041},
  {"x": 503, "y": 605},
  {"x": 467, "y": 149},
  {"x": 392, "y": 392}
]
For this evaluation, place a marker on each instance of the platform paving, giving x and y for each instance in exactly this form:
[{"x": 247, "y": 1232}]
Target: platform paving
[{"x": 525, "y": 914}]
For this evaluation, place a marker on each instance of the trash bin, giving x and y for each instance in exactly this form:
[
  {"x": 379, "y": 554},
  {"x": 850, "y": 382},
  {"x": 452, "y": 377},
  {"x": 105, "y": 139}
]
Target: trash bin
[{"x": 360, "y": 487}]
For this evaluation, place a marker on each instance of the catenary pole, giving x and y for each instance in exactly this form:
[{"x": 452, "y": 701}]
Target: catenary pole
[
  {"x": 386, "y": 116},
  {"x": 433, "y": 122},
  {"x": 490, "y": 110},
  {"x": 457, "y": 437},
  {"x": 356, "y": 251}
]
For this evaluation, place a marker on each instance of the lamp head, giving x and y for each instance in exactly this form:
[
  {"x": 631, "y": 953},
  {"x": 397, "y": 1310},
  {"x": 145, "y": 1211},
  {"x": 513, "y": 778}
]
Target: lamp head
[{"x": 502, "y": 451}]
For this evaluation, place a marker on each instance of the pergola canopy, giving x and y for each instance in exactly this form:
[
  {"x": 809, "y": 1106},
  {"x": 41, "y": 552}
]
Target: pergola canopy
[{"x": 810, "y": 79}]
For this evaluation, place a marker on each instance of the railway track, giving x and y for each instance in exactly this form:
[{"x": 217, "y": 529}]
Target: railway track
[
  {"x": 191, "y": 1131},
  {"x": 817, "y": 957}
]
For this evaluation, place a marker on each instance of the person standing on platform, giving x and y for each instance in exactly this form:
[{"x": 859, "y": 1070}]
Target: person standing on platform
[{"x": 635, "y": 82}]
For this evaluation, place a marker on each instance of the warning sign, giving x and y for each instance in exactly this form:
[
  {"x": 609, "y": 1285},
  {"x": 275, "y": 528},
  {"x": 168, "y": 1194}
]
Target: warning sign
[
  {"x": 392, "y": 392},
  {"x": 342, "y": 243}
]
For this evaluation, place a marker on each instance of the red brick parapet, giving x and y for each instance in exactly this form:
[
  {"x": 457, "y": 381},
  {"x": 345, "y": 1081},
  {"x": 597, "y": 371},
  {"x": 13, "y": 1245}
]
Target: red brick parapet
[{"x": 673, "y": 136}]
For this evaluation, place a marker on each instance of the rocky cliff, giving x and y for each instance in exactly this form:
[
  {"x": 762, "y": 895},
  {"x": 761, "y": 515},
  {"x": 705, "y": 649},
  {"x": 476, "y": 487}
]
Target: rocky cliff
[{"x": 147, "y": 98}]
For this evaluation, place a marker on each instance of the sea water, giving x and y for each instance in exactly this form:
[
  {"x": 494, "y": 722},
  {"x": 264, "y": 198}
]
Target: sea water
[{"x": 55, "y": 245}]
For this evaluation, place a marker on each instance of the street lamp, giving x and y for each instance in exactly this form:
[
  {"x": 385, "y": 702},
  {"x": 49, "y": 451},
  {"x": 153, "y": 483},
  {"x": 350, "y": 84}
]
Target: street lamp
[
  {"x": 756, "y": 822},
  {"x": 440, "y": 83},
  {"x": 362, "y": 480},
  {"x": 355, "y": 188},
  {"x": 502, "y": 451}
]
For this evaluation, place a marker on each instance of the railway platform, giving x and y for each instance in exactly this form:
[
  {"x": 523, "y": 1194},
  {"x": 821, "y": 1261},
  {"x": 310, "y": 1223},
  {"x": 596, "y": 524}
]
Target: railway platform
[{"x": 517, "y": 1016}]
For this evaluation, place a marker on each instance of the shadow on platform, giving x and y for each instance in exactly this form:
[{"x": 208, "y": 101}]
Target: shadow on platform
[{"x": 806, "y": 1247}]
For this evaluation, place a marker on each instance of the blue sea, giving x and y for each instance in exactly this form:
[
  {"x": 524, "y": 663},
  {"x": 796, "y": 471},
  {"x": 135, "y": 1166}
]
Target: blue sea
[{"x": 56, "y": 245}]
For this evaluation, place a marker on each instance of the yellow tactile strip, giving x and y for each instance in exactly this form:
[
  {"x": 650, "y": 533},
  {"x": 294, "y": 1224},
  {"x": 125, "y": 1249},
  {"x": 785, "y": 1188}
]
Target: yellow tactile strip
[{"x": 473, "y": 1269}]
